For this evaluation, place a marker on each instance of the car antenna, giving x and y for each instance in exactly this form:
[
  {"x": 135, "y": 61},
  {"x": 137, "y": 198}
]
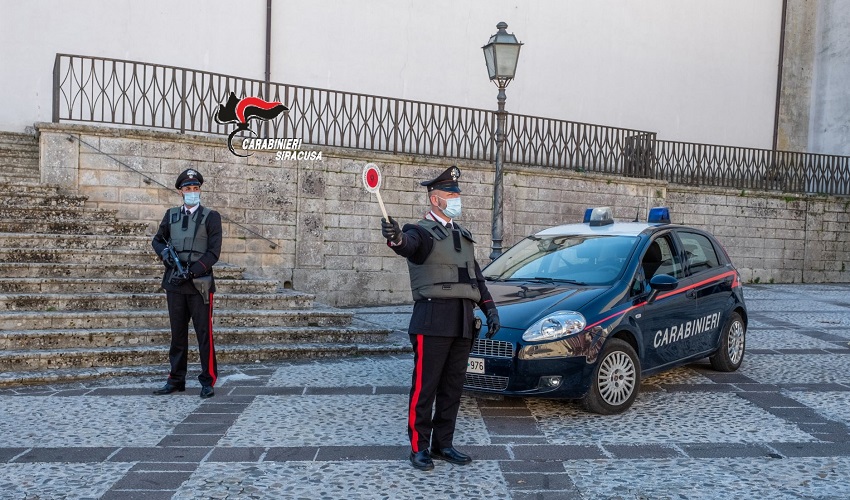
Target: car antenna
[{"x": 637, "y": 216}]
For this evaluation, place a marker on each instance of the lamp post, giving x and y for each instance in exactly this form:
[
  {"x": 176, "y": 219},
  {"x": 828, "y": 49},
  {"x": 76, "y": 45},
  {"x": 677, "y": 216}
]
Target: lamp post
[{"x": 501, "y": 55}]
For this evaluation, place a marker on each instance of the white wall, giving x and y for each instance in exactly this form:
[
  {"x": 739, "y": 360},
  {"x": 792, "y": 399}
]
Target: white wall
[
  {"x": 692, "y": 70},
  {"x": 198, "y": 34}
]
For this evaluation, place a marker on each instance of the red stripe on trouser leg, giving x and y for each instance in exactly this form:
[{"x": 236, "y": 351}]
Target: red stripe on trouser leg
[
  {"x": 211, "y": 362},
  {"x": 414, "y": 400}
]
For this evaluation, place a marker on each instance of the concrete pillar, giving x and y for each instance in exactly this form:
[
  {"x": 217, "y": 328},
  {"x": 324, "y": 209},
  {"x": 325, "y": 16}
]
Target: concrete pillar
[
  {"x": 797, "y": 71},
  {"x": 59, "y": 159},
  {"x": 814, "y": 109},
  {"x": 829, "y": 130}
]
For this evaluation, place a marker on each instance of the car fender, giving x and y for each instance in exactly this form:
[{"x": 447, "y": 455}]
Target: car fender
[{"x": 630, "y": 334}]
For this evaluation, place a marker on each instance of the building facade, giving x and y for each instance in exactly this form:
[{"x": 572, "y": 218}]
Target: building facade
[{"x": 699, "y": 71}]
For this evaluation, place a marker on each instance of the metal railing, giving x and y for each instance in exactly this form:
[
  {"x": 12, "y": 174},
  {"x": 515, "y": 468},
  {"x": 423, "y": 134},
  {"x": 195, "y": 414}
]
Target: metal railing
[
  {"x": 751, "y": 168},
  {"x": 100, "y": 90}
]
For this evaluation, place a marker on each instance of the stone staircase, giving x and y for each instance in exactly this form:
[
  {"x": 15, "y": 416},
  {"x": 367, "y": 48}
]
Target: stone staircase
[
  {"x": 80, "y": 295},
  {"x": 19, "y": 157}
]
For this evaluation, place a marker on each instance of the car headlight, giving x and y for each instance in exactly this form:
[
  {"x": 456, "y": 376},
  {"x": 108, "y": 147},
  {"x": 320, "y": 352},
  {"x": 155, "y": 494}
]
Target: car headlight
[{"x": 555, "y": 326}]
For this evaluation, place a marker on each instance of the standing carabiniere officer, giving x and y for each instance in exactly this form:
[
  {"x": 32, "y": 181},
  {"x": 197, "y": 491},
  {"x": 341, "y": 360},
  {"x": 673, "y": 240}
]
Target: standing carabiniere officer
[
  {"x": 447, "y": 284},
  {"x": 194, "y": 233}
]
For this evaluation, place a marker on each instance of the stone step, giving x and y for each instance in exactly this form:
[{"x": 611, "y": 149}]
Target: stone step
[
  {"x": 18, "y": 151},
  {"x": 59, "y": 270},
  {"x": 156, "y": 318},
  {"x": 121, "y": 301},
  {"x": 19, "y": 138},
  {"x": 17, "y": 168},
  {"x": 12, "y": 156},
  {"x": 66, "y": 366},
  {"x": 13, "y": 178},
  {"x": 57, "y": 214},
  {"x": 17, "y": 340},
  {"x": 73, "y": 227},
  {"x": 130, "y": 258},
  {"x": 123, "y": 285},
  {"x": 28, "y": 148},
  {"x": 32, "y": 188},
  {"x": 13, "y": 198},
  {"x": 76, "y": 241}
]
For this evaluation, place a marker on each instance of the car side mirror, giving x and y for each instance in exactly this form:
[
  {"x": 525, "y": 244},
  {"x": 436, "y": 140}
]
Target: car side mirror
[{"x": 661, "y": 283}]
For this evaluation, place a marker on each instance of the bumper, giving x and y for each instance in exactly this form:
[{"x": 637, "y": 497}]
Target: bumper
[{"x": 505, "y": 373}]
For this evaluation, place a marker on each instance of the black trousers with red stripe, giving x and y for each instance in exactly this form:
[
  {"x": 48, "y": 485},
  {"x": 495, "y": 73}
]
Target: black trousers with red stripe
[
  {"x": 182, "y": 308},
  {"x": 439, "y": 370}
]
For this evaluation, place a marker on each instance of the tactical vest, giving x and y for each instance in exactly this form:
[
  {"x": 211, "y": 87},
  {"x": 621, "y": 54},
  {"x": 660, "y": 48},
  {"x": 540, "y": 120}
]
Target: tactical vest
[
  {"x": 190, "y": 242},
  {"x": 439, "y": 276}
]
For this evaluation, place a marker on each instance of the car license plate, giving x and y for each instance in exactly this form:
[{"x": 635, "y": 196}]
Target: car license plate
[{"x": 475, "y": 365}]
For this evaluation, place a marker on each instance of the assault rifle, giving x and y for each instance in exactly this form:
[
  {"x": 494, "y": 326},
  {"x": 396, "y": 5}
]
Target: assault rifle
[{"x": 181, "y": 274}]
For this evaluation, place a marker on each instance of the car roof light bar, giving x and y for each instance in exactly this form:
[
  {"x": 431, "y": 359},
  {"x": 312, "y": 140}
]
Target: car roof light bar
[
  {"x": 600, "y": 216},
  {"x": 658, "y": 215}
]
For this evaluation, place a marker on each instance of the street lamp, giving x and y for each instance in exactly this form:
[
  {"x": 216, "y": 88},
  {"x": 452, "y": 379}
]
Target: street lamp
[{"x": 501, "y": 55}]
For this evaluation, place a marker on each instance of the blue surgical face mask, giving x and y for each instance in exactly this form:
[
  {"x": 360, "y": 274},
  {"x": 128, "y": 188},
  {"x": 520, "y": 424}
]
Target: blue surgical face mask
[
  {"x": 192, "y": 199},
  {"x": 453, "y": 207}
]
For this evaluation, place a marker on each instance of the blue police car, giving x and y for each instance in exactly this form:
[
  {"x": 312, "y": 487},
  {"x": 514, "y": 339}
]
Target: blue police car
[{"x": 588, "y": 310}]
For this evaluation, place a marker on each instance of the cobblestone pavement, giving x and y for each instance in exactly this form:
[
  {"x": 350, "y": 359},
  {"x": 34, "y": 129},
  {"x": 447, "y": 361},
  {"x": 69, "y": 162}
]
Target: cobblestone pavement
[{"x": 335, "y": 428}]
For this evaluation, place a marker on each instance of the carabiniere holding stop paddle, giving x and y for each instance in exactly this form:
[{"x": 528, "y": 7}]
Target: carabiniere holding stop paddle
[{"x": 447, "y": 284}]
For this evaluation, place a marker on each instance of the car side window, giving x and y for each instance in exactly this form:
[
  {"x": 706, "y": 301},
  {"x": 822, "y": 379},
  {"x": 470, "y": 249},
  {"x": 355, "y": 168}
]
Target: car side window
[
  {"x": 699, "y": 252},
  {"x": 661, "y": 259}
]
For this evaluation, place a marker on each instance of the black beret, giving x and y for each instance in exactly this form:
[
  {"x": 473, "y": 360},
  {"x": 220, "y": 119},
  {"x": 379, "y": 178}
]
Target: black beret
[
  {"x": 189, "y": 177},
  {"x": 447, "y": 181}
]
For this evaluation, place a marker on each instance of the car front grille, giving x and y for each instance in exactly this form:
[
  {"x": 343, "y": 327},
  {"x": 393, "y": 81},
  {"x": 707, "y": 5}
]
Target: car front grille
[
  {"x": 486, "y": 382},
  {"x": 492, "y": 348}
]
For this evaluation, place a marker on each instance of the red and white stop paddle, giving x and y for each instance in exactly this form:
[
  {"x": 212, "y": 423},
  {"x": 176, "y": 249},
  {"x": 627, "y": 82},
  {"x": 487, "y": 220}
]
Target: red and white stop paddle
[{"x": 372, "y": 183}]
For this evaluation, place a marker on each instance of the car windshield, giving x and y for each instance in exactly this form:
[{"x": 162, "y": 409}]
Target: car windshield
[{"x": 582, "y": 259}]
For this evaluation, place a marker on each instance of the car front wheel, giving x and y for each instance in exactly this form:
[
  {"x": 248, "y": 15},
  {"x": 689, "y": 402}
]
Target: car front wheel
[
  {"x": 616, "y": 379},
  {"x": 733, "y": 341}
]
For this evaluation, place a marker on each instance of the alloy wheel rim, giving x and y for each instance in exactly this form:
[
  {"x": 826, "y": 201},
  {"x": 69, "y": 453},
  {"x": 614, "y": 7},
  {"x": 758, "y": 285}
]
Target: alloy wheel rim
[
  {"x": 616, "y": 379},
  {"x": 736, "y": 342}
]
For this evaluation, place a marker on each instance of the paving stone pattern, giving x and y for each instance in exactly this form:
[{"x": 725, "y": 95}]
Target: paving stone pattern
[{"x": 335, "y": 428}]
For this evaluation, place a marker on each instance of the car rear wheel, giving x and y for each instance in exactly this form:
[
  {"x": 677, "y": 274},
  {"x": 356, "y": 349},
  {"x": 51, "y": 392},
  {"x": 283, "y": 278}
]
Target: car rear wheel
[
  {"x": 616, "y": 379},
  {"x": 733, "y": 341}
]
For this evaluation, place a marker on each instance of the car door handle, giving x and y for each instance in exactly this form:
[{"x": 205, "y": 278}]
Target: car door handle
[{"x": 691, "y": 294}]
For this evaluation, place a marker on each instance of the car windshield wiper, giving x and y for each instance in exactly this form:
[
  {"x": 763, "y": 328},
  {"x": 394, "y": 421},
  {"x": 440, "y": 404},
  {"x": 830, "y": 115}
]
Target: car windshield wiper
[{"x": 543, "y": 279}]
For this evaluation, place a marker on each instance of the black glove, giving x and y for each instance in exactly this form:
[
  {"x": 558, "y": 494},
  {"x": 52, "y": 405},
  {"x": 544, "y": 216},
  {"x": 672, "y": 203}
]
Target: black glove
[
  {"x": 493, "y": 324},
  {"x": 166, "y": 258},
  {"x": 390, "y": 230},
  {"x": 197, "y": 269},
  {"x": 178, "y": 279}
]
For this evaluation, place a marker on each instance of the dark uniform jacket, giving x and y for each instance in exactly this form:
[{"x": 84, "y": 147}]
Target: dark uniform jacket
[
  {"x": 440, "y": 317},
  {"x": 204, "y": 265}
]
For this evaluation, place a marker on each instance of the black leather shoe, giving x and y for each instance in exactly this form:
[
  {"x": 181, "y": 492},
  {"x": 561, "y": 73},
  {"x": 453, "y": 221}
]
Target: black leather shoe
[
  {"x": 451, "y": 455},
  {"x": 169, "y": 388},
  {"x": 421, "y": 460},
  {"x": 207, "y": 392}
]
